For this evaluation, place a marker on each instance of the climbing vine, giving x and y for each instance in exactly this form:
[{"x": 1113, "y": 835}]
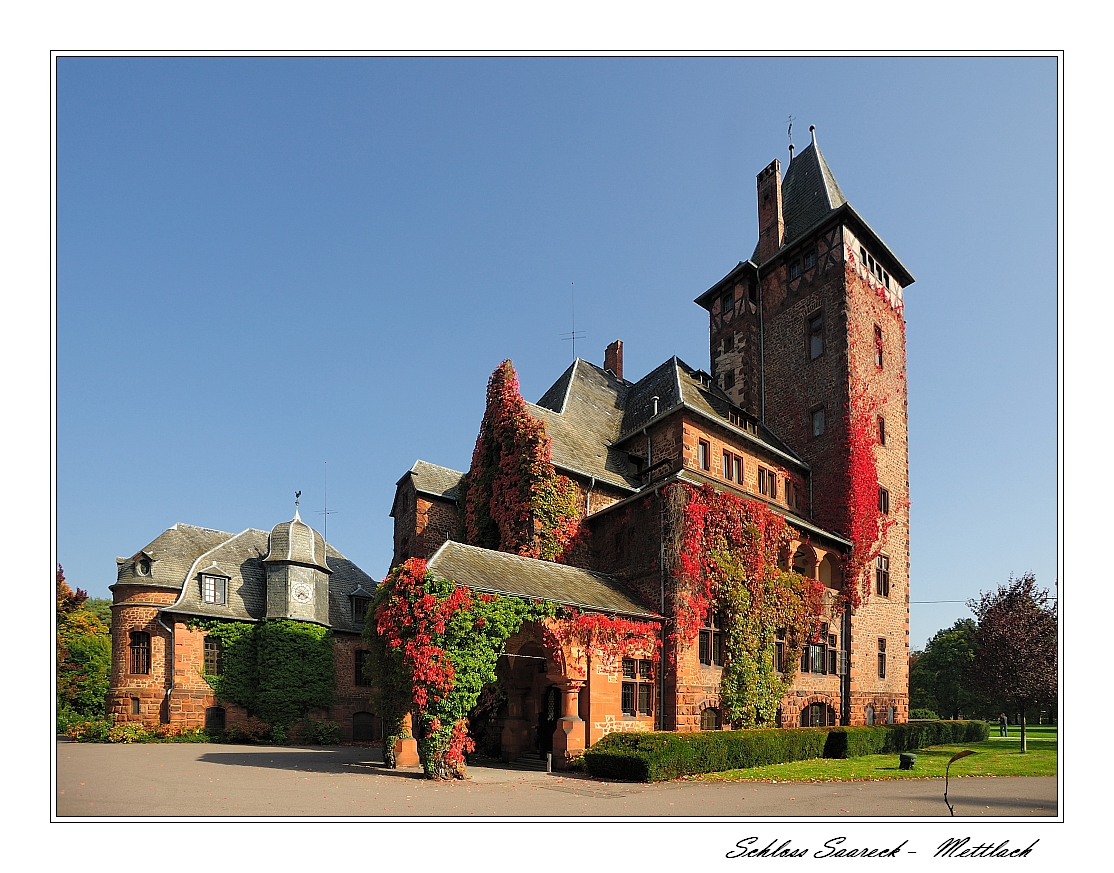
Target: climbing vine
[
  {"x": 513, "y": 499},
  {"x": 278, "y": 670},
  {"x": 727, "y": 560},
  {"x": 434, "y": 646},
  {"x": 610, "y": 638}
]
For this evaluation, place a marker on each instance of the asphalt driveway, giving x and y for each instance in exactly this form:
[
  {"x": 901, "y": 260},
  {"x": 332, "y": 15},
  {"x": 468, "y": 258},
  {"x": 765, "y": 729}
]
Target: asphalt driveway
[{"x": 165, "y": 779}]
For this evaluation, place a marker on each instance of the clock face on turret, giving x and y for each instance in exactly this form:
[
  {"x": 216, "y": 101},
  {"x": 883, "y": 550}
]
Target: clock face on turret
[{"x": 302, "y": 592}]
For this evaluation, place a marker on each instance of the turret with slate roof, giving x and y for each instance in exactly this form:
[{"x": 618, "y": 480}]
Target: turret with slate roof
[{"x": 297, "y": 572}]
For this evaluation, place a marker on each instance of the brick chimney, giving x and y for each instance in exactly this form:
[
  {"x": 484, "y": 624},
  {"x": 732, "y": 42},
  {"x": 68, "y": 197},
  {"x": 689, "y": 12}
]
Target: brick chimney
[
  {"x": 613, "y": 358},
  {"x": 771, "y": 222}
]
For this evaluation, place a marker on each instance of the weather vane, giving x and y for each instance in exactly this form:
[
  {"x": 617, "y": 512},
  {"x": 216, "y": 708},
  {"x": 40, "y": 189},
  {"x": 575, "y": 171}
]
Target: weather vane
[
  {"x": 790, "y": 130},
  {"x": 297, "y": 497}
]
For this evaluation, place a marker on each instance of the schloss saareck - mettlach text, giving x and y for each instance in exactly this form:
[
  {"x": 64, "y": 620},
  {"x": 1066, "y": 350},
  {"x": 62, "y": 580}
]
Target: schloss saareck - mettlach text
[{"x": 807, "y": 360}]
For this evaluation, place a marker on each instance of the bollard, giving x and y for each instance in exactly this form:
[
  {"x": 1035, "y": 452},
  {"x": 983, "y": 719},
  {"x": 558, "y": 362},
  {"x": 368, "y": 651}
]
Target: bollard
[
  {"x": 907, "y": 761},
  {"x": 548, "y": 762}
]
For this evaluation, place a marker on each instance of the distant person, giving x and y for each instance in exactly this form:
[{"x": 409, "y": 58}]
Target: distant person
[{"x": 1003, "y": 731}]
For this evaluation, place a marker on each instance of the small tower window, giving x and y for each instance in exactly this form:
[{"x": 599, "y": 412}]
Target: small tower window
[
  {"x": 881, "y": 431},
  {"x": 728, "y": 380},
  {"x": 728, "y": 303},
  {"x": 728, "y": 344},
  {"x": 878, "y": 347},
  {"x": 816, "y": 336},
  {"x": 704, "y": 455},
  {"x": 816, "y": 420},
  {"x": 794, "y": 270},
  {"x": 882, "y": 576},
  {"x": 810, "y": 259},
  {"x": 139, "y": 646},
  {"x": 881, "y": 657},
  {"x": 883, "y": 501}
]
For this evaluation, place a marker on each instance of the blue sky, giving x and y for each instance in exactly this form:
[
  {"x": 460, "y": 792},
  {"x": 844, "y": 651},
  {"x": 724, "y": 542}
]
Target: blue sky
[{"x": 266, "y": 264}]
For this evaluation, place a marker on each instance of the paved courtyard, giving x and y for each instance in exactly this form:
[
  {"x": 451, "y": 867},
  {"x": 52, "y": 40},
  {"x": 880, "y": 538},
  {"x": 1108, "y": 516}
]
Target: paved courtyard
[{"x": 217, "y": 780}]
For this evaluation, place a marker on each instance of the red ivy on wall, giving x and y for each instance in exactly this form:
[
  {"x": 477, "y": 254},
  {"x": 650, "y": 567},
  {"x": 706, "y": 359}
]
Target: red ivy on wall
[
  {"x": 609, "y": 638},
  {"x": 514, "y": 501}
]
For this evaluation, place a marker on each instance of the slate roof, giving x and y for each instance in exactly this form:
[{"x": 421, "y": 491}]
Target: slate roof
[
  {"x": 434, "y": 480},
  {"x": 583, "y": 414},
  {"x": 172, "y": 553},
  {"x": 503, "y": 573},
  {"x": 677, "y": 385},
  {"x": 183, "y": 552},
  {"x": 809, "y": 192}
]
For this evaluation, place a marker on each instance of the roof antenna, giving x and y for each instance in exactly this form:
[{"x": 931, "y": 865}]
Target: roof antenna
[
  {"x": 574, "y": 335},
  {"x": 326, "y": 511},
  {"x": 790, "y": 139}
]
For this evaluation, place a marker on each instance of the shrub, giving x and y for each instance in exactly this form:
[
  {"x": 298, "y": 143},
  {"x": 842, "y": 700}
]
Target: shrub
[
  {"x": 90, "y": 731},
  {"x": 653, "y": 757},
  {"x": 656, "y": 756},
  {"x": 922, "y": 713},
  {"x": 178, "y": 733},
  {"x": 324, "y": 733},
  {"x": 129, "y": 732},
  {"x": 279, "y": 735},
  {"x": 250, "y": 730}
]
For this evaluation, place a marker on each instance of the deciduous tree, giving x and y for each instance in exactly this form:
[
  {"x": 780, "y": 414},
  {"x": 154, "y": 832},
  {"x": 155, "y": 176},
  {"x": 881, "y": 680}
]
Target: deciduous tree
[{"x": 1015, "y": 658}]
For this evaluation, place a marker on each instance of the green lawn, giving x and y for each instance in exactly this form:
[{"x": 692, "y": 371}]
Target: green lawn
[{"x": 997, "y": 756}]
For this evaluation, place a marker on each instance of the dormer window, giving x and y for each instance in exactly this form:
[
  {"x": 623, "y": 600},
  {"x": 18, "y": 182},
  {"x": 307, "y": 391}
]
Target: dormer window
[
  {"x": 359, "y": 608},
  {"x": 143, "y": 567},
  {"x": 214, "y": 589}
]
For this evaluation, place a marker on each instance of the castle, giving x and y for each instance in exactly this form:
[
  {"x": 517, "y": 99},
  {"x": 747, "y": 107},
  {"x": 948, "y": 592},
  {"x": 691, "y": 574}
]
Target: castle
[{"x": 802, "y": 413}]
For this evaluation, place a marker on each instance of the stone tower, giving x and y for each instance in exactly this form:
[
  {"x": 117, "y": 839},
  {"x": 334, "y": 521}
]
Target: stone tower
[
  {"x": 297, "y": 573},
  {"x": 809, "y": 335}
]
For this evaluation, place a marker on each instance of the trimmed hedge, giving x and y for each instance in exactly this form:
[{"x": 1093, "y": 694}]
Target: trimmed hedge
[{"x": 658, "y": 756}]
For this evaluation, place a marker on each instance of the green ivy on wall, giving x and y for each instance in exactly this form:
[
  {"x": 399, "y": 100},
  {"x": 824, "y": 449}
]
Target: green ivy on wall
[{"x": 278, "y": 670}]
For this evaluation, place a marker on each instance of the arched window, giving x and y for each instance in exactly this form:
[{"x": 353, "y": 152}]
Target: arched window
[
  {"x": 214, "y": 718},
  {"x": 709, "y": 719}
]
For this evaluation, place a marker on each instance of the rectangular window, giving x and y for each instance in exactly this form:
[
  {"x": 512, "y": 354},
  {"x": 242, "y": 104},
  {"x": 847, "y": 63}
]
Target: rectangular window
[
  {"x": 810, "y": 259},
  {"x": 816, "y": 336},
  {"x": 881, "y": 431},
  {"x": 833, "y": 660},
  {"x": 816, "y": 420},
  {"x": 728, "y": 380},
  {"x": 139, "y": 645},
  {"x": 790, "y": 493},
  {"x": 737, "y": 469},
  {"x": 883, "y": 501},
  {"x": 727, "y": 465},
  {"x": 794, "y": 270},
  {"x": 360, "y": 680},
  {"x": 212, "y": 656},
  {"x": 763, "y": 485},
  {"x": 711, "y": 640},
  {"x": 779, "y": 650},
  {"x": 704, "y": 453},
  {"x": 881, "y": 657},
  {"x": 638, "y": 687},
  {"x": 773, "y": 486},
  {"x": 728, "y": 303},
  {"x": 882, "y": 576},
  {"x": 359, "y": 609},
  {"x": 878, "y": 347},
  {"x": 818, "y": 659},
  {"x": 213, "y": 589},
  {"x": 135, "y": 706}
]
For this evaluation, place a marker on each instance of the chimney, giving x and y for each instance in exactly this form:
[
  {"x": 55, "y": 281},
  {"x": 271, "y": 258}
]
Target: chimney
[
  {"x": 613, "y": 359},
  {"x": 771, "y": 223}
]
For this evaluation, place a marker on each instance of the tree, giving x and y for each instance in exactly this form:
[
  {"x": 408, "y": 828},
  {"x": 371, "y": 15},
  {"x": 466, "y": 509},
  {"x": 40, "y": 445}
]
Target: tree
[
  {"x": 84, "y": 656},
  {"x": 937, "y": 676},
  {"x": 1015, "y": 657}
]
